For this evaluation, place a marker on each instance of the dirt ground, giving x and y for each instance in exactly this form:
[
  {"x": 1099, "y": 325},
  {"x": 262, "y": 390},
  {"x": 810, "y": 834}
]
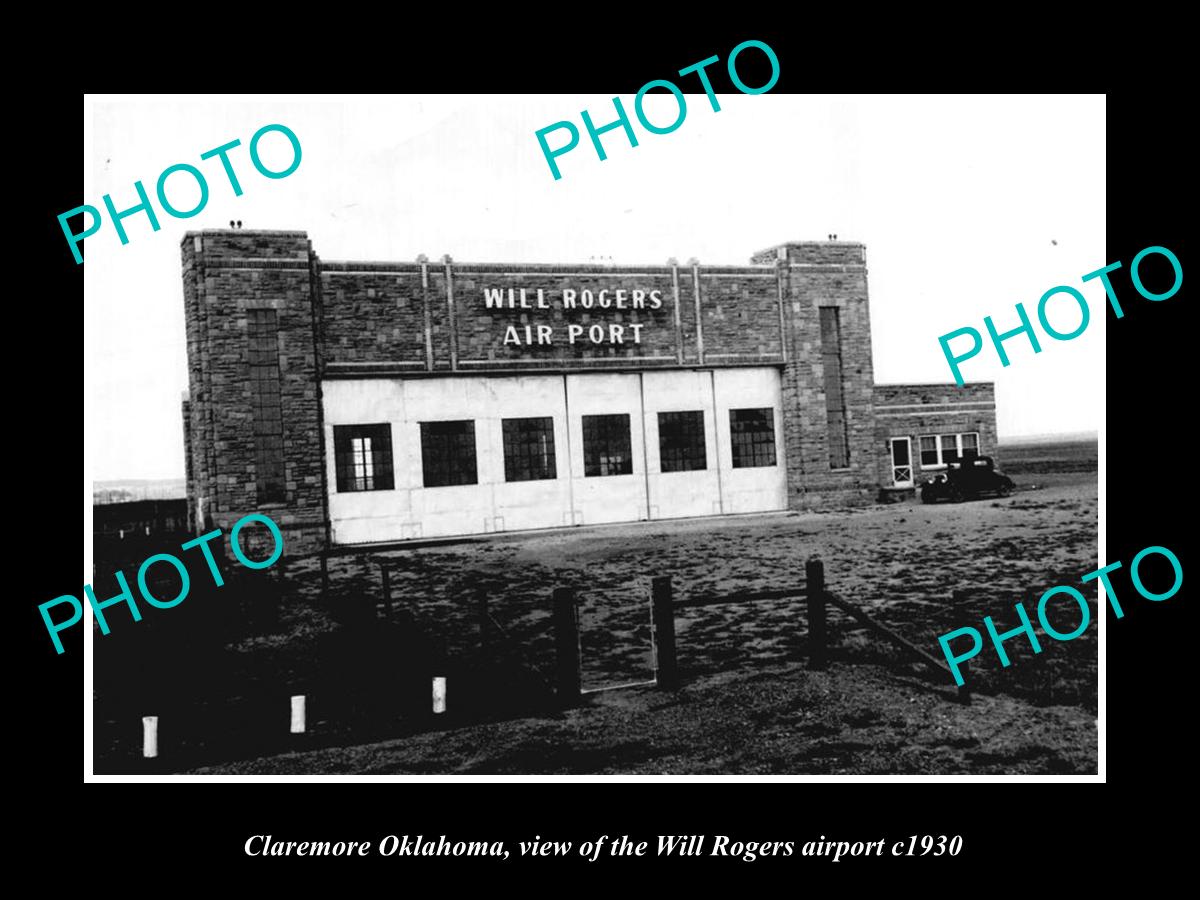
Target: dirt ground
[
  {"x": 749, "y": 704},
  {"x": 924, "y": 569},
  {"x": 851, "y": 719}
]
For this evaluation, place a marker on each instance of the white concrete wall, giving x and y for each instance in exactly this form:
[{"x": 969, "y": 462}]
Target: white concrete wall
[
  {"x": 527, "y": 504},
  {"x": 366, "y": 516},
  {"x": 677, "y": 494},
  {"x": 762, "y": 487},
  {"x": 414, "y": 511},
  {"x": 608, "y": 498}
]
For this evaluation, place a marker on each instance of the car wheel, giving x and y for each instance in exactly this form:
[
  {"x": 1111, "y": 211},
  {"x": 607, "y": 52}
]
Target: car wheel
[
  {"x": 956, "y": 496},
  {"x": 1006, "y": 490},
  {"x": 926, "y": 498}
]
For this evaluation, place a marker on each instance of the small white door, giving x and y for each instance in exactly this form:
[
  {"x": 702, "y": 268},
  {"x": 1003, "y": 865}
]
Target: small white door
[{"x": 902, "y": 470}]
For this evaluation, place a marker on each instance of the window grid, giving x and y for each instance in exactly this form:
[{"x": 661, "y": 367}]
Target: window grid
[
  {"x": 262, "y": 333},
  {"x": 929, "y": 451},
  {"x": 752, "y": 437},
  {"x": 681, "y": 446},
  {"x": 937, "y": 450},
  {"x": 529, "y": 449},
  {"x": 606, "y": 446},
  {"x": 363, "y": 456},
  {"x": 949, "y": 445},
  {"x": 448, "y": 453},
  {"x": 364, "y": 471},
  {"x": 835, "y": 397}
]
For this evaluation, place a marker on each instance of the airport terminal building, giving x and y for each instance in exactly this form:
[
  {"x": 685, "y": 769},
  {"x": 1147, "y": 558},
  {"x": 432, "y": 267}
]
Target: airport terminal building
[{"x": 361, "y": 403}]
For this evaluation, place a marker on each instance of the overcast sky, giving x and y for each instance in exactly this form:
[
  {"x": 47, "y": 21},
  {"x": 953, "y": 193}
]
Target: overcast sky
[{"x": 967, "y": 206}]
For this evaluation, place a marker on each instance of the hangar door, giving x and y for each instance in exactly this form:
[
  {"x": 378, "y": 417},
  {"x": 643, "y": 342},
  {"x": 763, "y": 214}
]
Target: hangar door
[{"x": 445, "y": 456}]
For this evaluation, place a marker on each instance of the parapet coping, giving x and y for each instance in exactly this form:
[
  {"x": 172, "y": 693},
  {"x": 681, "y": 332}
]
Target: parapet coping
[
  {"x": 564, "y": 267},
  {"x": 242, "y": 231},
  {"x": 810, "y": 243},
  {"x": 933, "y": 384}
]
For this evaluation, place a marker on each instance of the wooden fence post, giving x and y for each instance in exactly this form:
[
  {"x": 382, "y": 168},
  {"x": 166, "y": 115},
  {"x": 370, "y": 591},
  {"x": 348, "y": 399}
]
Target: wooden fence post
[
  {"x": 663, "y": 613},
  {"x": 566, "y": 632},
  {"x": 814, "y": 573},
  {"x": 387, "y": 592},
  {"x": 485, "y": 625}
]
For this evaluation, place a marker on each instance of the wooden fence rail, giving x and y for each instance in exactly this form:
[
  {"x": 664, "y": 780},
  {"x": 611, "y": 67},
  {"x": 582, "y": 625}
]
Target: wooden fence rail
[
  {"x": 740, "y": 597},
  {"x": 882, "y": 629},
  {"x": 490, "y": 630},
  {"x": 663, "y": 608},
  {"x": 567, "y": 677}
]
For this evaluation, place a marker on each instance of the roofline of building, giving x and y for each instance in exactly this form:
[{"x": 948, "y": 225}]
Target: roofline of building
[
  {"x": 573, "y": 268},
  {"x": 933, "y": 384},
  {"x": 192, "y": 234},
  {"x": 810, "y": 243}
]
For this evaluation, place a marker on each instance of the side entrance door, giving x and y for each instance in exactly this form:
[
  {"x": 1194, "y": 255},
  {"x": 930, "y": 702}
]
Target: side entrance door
[{"x": 902, "y": 470}]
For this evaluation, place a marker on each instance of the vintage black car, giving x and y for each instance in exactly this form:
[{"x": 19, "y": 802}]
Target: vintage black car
[{"x": 966, "y": 479}]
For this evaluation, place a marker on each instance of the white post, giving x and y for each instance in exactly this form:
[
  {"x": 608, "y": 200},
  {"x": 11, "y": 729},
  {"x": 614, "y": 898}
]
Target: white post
[
  {"x": 149, "y": 736},
  {"x": 439, "y": 695},
  {"x": 298, "y": 714}
]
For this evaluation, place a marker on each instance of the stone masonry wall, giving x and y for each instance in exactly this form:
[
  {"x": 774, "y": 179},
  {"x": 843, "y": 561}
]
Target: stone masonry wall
[
  {"x": 913, "y": 410},
  {"x": 433, "y": 317},
  {"x": 389, "y": 297},
  {"x": 833, "y": 275},
  {"x": 339, "y": 319},
  {"x": 227, "y": 273},
  {"x": 189, "y": 478}
]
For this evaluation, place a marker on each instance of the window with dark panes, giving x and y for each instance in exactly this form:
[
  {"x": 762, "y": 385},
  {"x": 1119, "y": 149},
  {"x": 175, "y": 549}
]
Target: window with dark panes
[
  {"x": 835, "y": 396},
  {"x": 681, "y": 441},
  {"x": 529, "y": 449},
  {"x": 262, "y": 334},
  {"x": 938, "y": 450},
  {"x": 448, "y": 453},
  {"x": 363, "y": 457},
  {"x": 606, "y": 445},
  {"x": 949, "y": 447},
  {"x": 929, "y": 451},
  {"x": 970, "y": 444},
  {"x": 752, "y": 437}
]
